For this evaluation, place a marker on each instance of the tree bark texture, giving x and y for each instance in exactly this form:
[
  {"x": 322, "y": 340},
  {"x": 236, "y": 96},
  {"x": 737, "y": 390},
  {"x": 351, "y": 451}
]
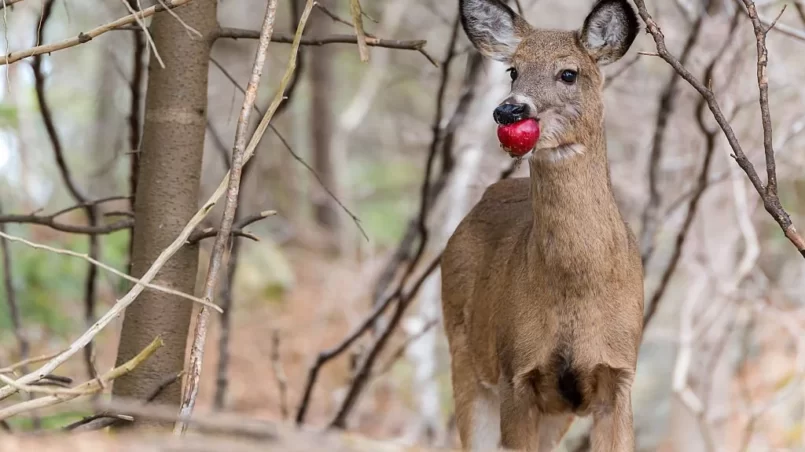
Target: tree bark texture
[{"x": 167, "y": 197}]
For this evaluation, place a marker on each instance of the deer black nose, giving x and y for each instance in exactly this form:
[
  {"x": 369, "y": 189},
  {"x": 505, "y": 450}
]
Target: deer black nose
[{"x": 510, "y": 113}]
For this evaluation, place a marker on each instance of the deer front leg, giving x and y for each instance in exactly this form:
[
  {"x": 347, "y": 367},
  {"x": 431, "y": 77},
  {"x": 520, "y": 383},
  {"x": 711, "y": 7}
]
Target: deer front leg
[
  {"x": 519, "y": 418},
  {"x": 613, "y": 425}
]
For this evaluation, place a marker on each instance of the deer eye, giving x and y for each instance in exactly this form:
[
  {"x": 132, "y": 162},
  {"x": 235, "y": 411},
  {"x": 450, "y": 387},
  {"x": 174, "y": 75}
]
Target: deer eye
[
  {"x": 569, "y": 76},
  {"x": 512, "y": 72}
]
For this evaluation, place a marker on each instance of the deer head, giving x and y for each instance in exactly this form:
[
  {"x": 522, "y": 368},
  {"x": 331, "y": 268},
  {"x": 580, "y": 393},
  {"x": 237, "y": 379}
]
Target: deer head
[{"x": 556, "y": 76}]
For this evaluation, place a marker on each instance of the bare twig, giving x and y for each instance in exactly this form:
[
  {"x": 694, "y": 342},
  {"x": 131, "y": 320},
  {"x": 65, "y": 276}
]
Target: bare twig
[
  {"x": 89, "y": 35},
  {"x": 296, "y": 156},
  {"x": 83, "y": 389},
  {"x": 6, "y": 3},
  {"x": 419, "y": 46},
  {"x": 108, "y": 268},
  {"x": 771, "y": 201},
  {"x": 279, "y": 373},
  {"x": 221, "y": 240},
  {"x": 145, "y": 31},
  {"x": 25, "y": 362},
  {"x": 237, "y": 228},
  {"x": 51, "y": 222},
  {"x": 357, "y": 20},
  {"x": 772, "y": 24}
]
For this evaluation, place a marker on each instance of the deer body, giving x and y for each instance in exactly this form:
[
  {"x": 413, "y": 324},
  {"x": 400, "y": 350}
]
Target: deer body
[{"x": 542, "y": 283}]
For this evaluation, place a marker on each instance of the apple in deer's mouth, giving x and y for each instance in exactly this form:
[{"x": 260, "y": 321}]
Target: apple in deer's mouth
[{"x": 520, "y": 137}]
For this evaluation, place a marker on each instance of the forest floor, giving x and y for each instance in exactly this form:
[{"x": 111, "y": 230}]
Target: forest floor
[{"x": 322, "y": 306}]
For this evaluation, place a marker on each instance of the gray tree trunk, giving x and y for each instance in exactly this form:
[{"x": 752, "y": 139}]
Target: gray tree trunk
[{"x": 167, "y": 197}]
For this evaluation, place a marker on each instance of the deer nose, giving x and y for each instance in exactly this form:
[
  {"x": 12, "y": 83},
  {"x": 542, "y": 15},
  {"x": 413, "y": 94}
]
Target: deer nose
[{"x": 510, "y": 113}]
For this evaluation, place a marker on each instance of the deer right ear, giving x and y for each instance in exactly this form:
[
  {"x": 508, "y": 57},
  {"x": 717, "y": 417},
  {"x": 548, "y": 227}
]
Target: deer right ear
[
  {"x": 609, "y": 30},
  {"x": 494, "y": 29}
]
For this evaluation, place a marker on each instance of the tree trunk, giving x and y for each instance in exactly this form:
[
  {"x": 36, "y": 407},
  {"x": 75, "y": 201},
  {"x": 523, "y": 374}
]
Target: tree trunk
[
  {"x": 320, "y": 118},
  {"x": 167, "y": 197}
]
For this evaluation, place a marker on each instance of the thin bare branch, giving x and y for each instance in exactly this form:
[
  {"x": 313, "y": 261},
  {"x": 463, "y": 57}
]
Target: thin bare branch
[
  {"x": 148, "y": 37},
  {"x": 771, "y": 202},
  {"x": 236, "y": 169},
  {"x": 6, "y": 3},
  {"x": 237, "y": 228},
  {"x": 295, "y": 155},
  {"x": 106, "y": 267},
  {"x": 419, "y": 46},
  {"x": 89, "y": 35}
]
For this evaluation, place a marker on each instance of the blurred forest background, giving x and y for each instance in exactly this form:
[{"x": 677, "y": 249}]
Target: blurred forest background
[{"x": 722, "y": 360}]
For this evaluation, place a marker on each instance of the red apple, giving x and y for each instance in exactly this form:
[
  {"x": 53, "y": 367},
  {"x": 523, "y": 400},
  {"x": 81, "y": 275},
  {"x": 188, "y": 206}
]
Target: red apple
[{"x": 520, "y": 137}]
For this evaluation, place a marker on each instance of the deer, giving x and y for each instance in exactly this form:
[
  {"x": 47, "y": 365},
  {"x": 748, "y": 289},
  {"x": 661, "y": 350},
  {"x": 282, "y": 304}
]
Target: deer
[{"x": 542, "y": 281}]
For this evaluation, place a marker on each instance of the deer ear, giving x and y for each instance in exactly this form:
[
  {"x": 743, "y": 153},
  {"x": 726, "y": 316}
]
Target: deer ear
[
  {"x": 494, "y": 29},
  {"x": 609, "y": 30}
]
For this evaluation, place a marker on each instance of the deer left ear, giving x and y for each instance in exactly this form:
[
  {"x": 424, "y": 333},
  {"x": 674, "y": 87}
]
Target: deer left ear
[{"x": 609, "y": 30}]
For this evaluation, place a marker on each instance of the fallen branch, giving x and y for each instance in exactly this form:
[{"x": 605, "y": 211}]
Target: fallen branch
[
  {"x": 768, "y": 194},
  {"x": 82, "y": 37},
  {"x": 236, "y": 169},
  {"x": 87, "y": 388}
]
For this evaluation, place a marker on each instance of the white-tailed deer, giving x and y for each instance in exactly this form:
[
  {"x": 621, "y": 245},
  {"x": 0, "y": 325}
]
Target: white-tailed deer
[{"x": 542, "y": 284}]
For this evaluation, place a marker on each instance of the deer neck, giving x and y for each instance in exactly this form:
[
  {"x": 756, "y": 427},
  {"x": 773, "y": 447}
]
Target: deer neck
[{"x": 576, "y": 222}]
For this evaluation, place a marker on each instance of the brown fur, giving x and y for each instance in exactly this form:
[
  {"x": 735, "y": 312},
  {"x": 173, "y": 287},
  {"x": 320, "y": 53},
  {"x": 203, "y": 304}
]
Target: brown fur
[{"x": 542, "y": 281}]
